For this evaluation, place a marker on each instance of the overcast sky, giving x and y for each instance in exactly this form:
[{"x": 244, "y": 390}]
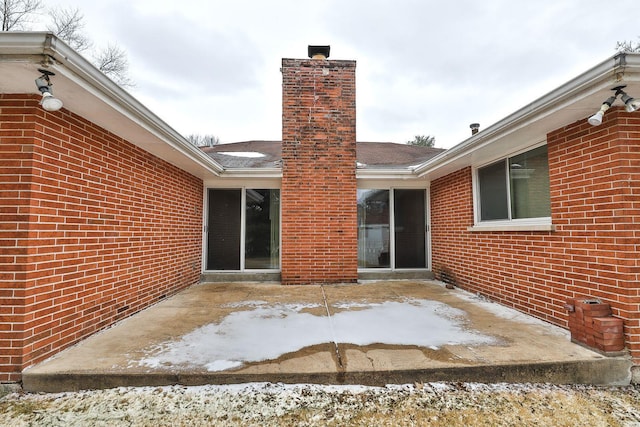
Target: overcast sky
[{"x": 423, "y": 67}]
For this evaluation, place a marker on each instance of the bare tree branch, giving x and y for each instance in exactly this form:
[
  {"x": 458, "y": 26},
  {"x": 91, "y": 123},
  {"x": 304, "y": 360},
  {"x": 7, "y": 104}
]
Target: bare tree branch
[
  {"x": 16, "y": 14},
  {"x": 112, "y": 61},
  {"x": 68, "y": 24},
  {"x": 203, "y": 140},
  {"x": 628, "y": 46}
]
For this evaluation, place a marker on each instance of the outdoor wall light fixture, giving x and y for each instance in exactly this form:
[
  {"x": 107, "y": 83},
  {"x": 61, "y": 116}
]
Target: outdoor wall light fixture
[
  {"x": 631, "y": 105},
  {"x": 596, "y": 119},
  {"x": 48, "y": 102}
]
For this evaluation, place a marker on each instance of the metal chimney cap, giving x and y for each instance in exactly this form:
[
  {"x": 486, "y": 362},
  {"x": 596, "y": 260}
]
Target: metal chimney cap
[{"x": 319, "y": 52}]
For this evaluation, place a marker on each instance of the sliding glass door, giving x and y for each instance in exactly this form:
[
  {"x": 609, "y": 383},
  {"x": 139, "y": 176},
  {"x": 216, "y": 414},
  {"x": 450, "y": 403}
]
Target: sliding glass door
[
  {"x": 373, "y": 229},
  {"x": 400, "y": 210},
  {"x": 223, "y": 230},
  {"x": 262, "y": 230},
  {"x": 243, "y": 229},
  {"x": 409, "y": 228}
]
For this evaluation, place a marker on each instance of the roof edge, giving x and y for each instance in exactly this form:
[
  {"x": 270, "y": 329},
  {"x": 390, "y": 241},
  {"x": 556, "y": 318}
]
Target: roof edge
[
  {"x": 382, "y": 173},
  {"x": 253, "y": 173},
  {"x": 605, "y": 73},
  {"x": 66, "y": 61}
]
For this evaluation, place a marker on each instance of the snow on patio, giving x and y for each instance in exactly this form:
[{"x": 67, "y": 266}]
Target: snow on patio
[{"x": 259, "y": 331}]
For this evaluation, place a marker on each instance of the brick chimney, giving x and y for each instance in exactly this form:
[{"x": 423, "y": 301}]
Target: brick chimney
[{"x": 318, "y": 195}]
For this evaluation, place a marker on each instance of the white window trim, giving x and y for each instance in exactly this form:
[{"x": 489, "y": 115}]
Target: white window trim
[
  {"x": 533, "y": 224},
  {"x": 526, "y": 224}
]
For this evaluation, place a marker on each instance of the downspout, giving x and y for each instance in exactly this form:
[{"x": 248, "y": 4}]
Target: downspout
[
  {"x": 619, "y": 66},
  {"x": 49, "y": 50}
]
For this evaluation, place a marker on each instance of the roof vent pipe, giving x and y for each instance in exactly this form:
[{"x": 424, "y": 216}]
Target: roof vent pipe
[
  {"x": 319, "y": 52},
  {"x": 475, "y": 128}
]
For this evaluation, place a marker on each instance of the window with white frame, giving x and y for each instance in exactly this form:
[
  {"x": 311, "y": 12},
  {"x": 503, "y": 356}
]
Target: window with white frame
[{"x": 514, "y": 189}]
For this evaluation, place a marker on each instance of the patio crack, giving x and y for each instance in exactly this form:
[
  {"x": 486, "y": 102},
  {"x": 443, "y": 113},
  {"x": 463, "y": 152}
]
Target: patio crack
[{"x": 333, "y": 332}]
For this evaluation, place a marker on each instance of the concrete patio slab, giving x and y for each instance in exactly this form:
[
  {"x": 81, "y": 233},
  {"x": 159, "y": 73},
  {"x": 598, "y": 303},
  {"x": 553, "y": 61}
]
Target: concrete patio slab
[{"x": 371, "y": 333}]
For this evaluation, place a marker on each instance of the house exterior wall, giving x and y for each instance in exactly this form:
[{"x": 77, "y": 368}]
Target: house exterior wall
[
  {"x": 595, "y": 206},
  {"x": 92, "y": 230},
  {"x": 319, "y": 192}
]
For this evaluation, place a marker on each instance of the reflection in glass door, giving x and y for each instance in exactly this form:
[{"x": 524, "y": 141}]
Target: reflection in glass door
[
  {"x": 409, "y": 228},
  {"x": 373, "y": 229},
  {"x": 243, "y": 222},
  {"x": 379, "y": 211},
  {"x": 262, "y": 235},
  {"x": 223, "y": 230}
]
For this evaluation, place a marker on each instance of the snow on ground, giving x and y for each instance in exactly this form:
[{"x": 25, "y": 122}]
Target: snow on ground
[
  {"x": 506, "y": 312},
  {"x": 264, "y": 332},
  {"x": 268, "y": 404}
]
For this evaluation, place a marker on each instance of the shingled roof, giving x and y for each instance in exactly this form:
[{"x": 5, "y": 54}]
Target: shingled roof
[{"x": 268, "y": 154}]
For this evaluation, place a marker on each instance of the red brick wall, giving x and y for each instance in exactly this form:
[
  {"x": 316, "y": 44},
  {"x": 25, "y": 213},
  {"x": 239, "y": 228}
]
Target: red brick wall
[
  {"x": 92, "y": 230},
  {"x": 319, "y": 203},
  {"x": 595, "y": 204}
]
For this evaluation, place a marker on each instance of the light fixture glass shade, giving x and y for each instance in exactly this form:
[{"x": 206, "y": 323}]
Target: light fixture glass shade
[
  {"x": 50, "y": 102},
  {"x": 632, "y": 105},
  {"x": 596, "y": 119}
]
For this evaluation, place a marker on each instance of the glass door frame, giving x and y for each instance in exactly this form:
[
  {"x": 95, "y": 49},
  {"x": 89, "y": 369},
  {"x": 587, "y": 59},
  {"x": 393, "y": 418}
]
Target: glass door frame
[
  {"x": 243, "y": 228},
  {"x": 366, "y": 186},
  {"x": 392, "y": 221}
]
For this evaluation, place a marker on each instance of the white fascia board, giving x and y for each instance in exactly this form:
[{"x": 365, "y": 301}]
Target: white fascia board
[
  {"x": 600, "y": 77},
  {"x": 67, "y": 62},
  {"x": 252, "y": 173},
  {"x": 365, "y": 174},
  {"x": 629, "y": 67},
  {"x": 23, "y": 43},
  {"x": 392, "y": 174}
]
